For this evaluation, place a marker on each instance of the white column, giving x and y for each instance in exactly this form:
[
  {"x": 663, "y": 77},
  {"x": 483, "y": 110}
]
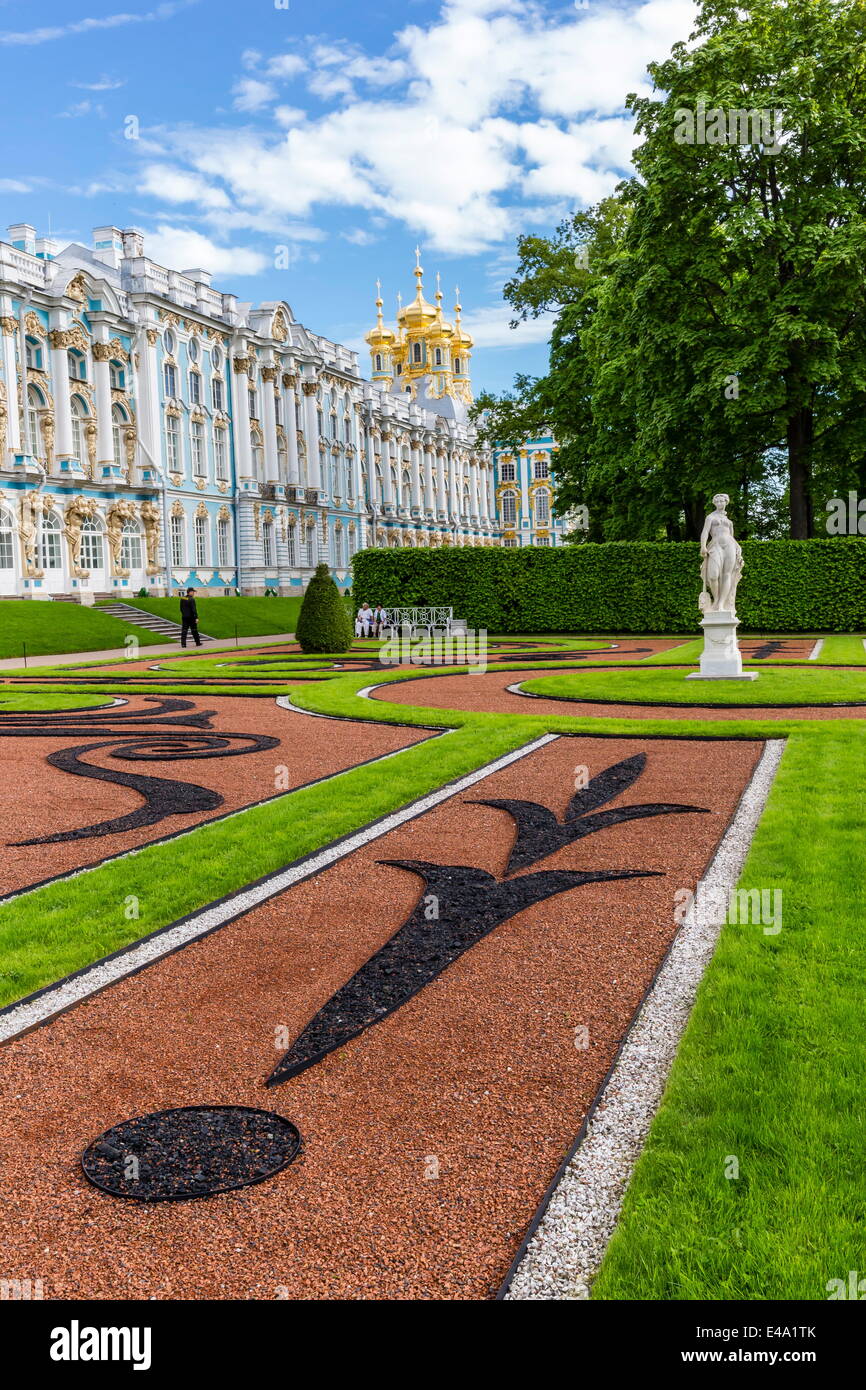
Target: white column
[
  {"x": 387, "y": 489},
  {"x": 456, "y": 500},
  {"x": 429, "y": 499},
  {"x": 10, "y": 373},
  {"x": 149, "y": 421},
  {"x": 241, "y": 412},
  {"x": 102, "y": 376},
  {"x": 269, "y": 424},
  {"x": 290, "y": 425},
  {"x": 355, "y": 463},
  {"x": 473, "y": 489},
  {"x": 441, "y": 485},
  {"x": 491, "y": 494},
  {"x": 60, "y": 380},
  {"x": 311, "y": 434},
  {"x": 523, "y": 475},
  {"x": 415, "y": 474}
]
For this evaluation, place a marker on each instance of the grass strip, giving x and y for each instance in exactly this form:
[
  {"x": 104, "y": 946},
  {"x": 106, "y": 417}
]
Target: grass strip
[
  {"x": 768, "y": 1081},
  {"x": 775, "y": 686}
]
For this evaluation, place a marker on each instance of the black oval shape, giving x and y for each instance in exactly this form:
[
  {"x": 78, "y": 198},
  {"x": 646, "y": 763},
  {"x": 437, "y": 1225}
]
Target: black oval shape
[{"x": 193, "y": 1151}]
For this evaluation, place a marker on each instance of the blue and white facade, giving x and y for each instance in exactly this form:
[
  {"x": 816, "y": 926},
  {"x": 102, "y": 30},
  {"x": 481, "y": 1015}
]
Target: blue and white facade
[
  {"x": 524, "y": 494},
  {"x": 157, "y": 433}
]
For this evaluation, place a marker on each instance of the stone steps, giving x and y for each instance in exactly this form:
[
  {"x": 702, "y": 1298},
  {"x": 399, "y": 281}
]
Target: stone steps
[{"x": 138, "y": 618}]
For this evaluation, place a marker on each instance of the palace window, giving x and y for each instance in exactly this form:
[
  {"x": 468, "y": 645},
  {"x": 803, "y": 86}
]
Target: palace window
[
  {"x": 268, "y": 542},
  {"x": 338, "y": 549},
  {"x": 195, "y": 388},
  {"x": 169, "y": 342},
  {"x": 117, "y": 376},
  {"x": 130, "y": 547},
  {"x": 192, "y": 349},
  {"x": 254, "y": 404},
  {"x": 33, "y": 354},
  {"x": 49, "y": 549},
  {"x": 223, "y": 542},
  {"x": 199, "y": 464},
  {"x": 221, "y": 455},
  {"x": 457, "y": 364},
  {"x": 35, "y": 403},
  {"x": 7, "y": 549},
  {"x": 542, "y": 507},
  {"x": 170, "y": 379},
  {"x": 541, "y": 468},
  {"x": 290, "y": 545},
  {"x": 172, "y": 443},
  {"x": 77, "y": 364},
  {"x": 118, "y": 420},
  {"x": 216, "y": 359},
  {"x": 91, "y": 546},
  {"x": 201, "y": 541},
  {"x": 416, "y": 352},
  {"x": 438, "y": 357},
  {"x": 352, "y": 546},
  {"x": 178, "y": 541},
  {"x": 217, "y": 395},
  {"x": 510, "y": 543},
  {"x": 311, "y": 546},
  {"x": 258, "y": 455},
  {"x": 508, "y": 507},
  {"x": 507, "y": 472},
  {"x": 542, "y": 540},
  {"x": 378, "y": 361},
  {"x": 406, "y": 494},
  {"x": 79, "y": 415}
]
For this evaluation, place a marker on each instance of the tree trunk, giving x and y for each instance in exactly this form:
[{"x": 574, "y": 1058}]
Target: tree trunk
[
  {"x": 800, "y": 434},
  {"x": 694, "y": 511}
]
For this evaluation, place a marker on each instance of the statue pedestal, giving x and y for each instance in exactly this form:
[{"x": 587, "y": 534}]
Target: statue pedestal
[{"x": 721, "y": 659}]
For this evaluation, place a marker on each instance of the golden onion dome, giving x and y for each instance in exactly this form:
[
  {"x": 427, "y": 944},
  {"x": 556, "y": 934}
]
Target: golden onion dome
[{"x": 380, "y": 336}]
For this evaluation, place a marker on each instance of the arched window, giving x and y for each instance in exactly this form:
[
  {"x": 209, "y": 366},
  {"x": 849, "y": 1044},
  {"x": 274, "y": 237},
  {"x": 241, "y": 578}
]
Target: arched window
[
  {"x": 33, "y": 354},
  {"x": 394, "y": 488},
  {"x": 378, "y": 361},
  {"x": 406, "y": 493},
  {"x": 224, "y": 549},
  {"x": 217, "y": 395},
  {"x": 7, "y": 548},
  {"x": 118, "y": 423},
  {"x": 35, "y": 403},
  {"x": 377, "y": 484},
  {"x": 201, "y": 541},
  {"x": 350, "y": 480},
  {"x": 79, "y": 415},
  {"x": 465, "y": 499},
  {"x": 508, "y": 507},
  {"x": 416, "y": 352},
  {"x": 457, "y": 364},
  {"x": 438, "y": 357},
  {"x": 130, "y": 547},
  {"x": 118, "y": 376},
  {"x": 91, "y": 546},
  {"x": 290, "y": 546},
  {"x": 268, "y": 542},
  {"x": 49, "y": 547},
  {"x": 170, "y": 380},
  {"x": 178, "y": 541},
  {"x": 77, "y": 364},
  {"x": 542, "y": 507},
  {"x": 195, "y": 388},
  {"x": 338, "y": 549}
]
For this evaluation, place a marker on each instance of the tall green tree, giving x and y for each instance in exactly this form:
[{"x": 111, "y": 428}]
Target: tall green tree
[{"x": 725, "y": 327}]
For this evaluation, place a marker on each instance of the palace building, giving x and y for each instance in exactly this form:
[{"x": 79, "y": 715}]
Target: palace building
[{"x": 155, "y": 432}]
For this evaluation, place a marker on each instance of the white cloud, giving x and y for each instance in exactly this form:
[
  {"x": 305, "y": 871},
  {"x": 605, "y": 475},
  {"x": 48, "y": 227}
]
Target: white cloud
[
  {"x": 49, "y": 33},
  {"x": 102, "y": 84},
  {"x": 182, "y": 246},
  {"x": 503, "y": 113},
  {"x": 82, "y": 108},
  {"x": 14, "y": 186},
  {"x": 178, "y": 186},
  {"x": 250, "y": 94},
  {"x": 489, "y": 327}
]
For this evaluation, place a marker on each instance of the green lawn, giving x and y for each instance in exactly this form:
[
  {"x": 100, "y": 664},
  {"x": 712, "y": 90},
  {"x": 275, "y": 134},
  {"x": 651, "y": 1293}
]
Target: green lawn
[
  {"x": 14, "y": 702},
  {"x": 770, "y": 1072},
  {"x": 219, "y": 617},
  {"x": 776, "y": 685},
  {"x": 46, "y": 628}
]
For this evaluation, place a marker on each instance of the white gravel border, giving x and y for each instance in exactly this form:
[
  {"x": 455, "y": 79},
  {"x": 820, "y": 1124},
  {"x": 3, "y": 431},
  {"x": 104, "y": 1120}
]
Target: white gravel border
[
  {"x": 817, "y": 649},
  {"x": 565, "y": 1252},
  {"x": 102, "y": 974}
]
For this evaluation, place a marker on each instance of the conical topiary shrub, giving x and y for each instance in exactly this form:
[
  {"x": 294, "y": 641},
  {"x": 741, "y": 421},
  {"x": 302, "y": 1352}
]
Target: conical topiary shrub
[{"x": 324, "y": 624}]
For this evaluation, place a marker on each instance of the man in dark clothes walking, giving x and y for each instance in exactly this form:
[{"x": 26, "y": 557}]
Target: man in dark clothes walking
[{"x": 189, "y": 618}]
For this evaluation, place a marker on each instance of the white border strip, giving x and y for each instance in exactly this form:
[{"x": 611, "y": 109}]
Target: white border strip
[
  {"x": 817, "y": 649},
  {"x": 566, "y": 1251},
  {"x": 108, "y": 972}
]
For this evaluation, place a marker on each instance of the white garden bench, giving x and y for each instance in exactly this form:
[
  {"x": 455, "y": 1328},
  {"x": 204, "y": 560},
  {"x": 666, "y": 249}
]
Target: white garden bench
[{"x": 424, "y": 620}]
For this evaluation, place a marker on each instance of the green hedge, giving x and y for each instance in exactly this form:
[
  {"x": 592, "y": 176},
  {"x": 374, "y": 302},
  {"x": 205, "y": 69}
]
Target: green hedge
[{"x": 621, "y": 586}]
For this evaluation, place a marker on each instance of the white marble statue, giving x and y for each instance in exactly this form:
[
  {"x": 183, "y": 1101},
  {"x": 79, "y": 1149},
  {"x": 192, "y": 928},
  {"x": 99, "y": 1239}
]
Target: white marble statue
[{"x": 722, "y": 561}]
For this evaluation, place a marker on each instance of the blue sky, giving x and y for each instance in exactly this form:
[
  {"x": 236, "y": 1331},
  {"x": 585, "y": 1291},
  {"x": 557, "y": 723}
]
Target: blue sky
[{"x": 345, "y": 133}]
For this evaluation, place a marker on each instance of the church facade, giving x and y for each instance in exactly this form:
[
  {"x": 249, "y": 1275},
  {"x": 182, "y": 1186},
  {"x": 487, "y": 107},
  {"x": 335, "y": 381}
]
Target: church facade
[{"x": 157, "y": 433}]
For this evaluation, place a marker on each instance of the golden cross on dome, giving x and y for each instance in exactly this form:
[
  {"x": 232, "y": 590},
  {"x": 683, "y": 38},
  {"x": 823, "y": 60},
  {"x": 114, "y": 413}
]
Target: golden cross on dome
[{"x": 418, "y": 255}]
